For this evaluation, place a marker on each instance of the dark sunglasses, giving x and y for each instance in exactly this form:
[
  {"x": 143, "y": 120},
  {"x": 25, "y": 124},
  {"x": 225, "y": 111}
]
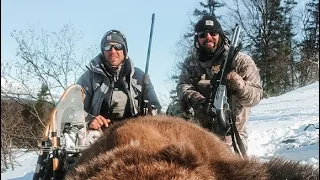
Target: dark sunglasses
[
  {"x": 117, "y": 47},
  {"x": 203, "y": 34}
]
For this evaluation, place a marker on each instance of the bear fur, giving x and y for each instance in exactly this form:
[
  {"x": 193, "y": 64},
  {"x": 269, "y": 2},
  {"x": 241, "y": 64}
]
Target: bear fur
[{"x": 166, "y": 147}]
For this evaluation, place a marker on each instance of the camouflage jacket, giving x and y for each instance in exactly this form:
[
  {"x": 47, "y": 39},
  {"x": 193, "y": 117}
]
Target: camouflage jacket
[{"x": 193, "y": 71}]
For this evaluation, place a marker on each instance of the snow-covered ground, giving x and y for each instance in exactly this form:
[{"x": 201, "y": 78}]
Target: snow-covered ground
[{"x": 276, "y": 128}]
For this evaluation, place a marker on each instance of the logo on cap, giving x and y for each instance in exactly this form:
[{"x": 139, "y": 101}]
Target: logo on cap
[
  {"x": 109, "y": 37},
  {"x": 209, "y": 23}
]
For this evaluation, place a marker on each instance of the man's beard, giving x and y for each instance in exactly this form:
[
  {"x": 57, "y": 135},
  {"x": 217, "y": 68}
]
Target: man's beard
[{"x": 209, "y": 49}]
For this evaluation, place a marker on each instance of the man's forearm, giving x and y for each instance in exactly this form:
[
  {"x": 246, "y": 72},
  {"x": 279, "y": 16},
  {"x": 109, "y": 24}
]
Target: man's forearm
[{"x": 250, "y": 95}]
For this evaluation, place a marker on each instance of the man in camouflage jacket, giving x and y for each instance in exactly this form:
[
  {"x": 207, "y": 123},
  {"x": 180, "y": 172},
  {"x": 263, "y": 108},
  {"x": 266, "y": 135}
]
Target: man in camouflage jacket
[{"x": 194, "y": 81}]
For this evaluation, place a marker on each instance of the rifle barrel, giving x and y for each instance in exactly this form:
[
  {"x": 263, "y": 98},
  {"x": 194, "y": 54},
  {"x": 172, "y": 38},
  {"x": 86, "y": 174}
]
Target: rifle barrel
[
  {"x": 235, "y": 36},
  {"x": 231, "y": 50},
  {"x": 149, "y": 47}
]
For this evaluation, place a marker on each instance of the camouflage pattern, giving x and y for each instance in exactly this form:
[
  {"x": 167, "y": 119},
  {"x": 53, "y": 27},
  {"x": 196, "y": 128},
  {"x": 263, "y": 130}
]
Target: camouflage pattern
[{"x": 195, "y": 77}]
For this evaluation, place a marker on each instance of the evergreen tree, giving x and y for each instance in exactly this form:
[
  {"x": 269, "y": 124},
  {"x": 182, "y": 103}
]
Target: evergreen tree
[
  {"x": 42, "y": 101},
  {"x": 271, "y": 41},
  {"x": 268, "y": 29},
  {"x": 35, "y": 116},
  {"x": 288, "y": 39},
  {"x": 309, "y": 63}
]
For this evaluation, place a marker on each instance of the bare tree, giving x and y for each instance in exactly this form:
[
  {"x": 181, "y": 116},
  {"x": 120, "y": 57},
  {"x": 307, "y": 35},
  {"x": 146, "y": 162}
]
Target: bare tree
[
  {"x": 52, "y": 60},
  {"x": 43, "y": 58},
  {"x": 11, "y": 130},
  {"x": 268, "y": 38}
]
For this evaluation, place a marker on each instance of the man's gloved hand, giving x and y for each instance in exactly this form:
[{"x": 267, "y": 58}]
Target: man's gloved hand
[
  {"x": 235, "y": 81},
  {"x": 196, "y": 99}
]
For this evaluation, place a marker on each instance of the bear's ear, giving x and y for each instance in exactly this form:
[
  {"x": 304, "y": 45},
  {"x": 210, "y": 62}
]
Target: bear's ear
[
  {"x": 239, "y": 169},
  {"x": 180, "y": 154},
  {"x": 279, "y": 168}
]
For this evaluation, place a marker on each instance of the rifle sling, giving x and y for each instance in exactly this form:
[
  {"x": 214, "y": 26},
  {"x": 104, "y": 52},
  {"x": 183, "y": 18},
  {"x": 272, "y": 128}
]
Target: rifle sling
[{"x": 235, "y": 136}]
